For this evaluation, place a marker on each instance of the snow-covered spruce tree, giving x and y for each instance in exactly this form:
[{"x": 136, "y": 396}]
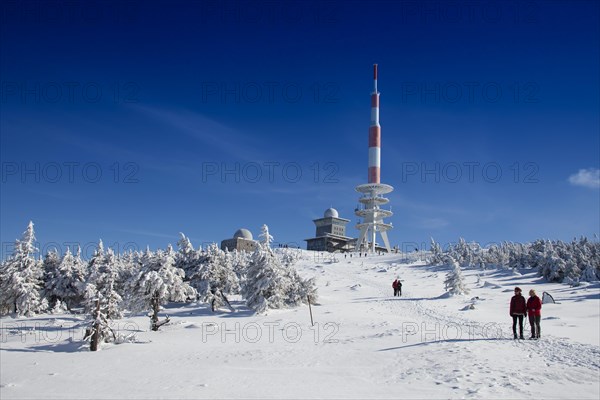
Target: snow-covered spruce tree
[
  {"x": 216, "y": 275},
  {"x": 455, "y": 283},
  {"x": 536, "y": 254},
  {"x": 517, "y": 256},
  {"x": 574, "y": 261},
  {"x": 497, "y": 256},
  {"x": 129, "y": 266},
  {"x": 190, "y": 261},
  {"x": 552, "y": 267},
  {"x": 187, "y": 258},
  {"x": 300, "y": 289},
  {"x": 21, "y": 279},
  {"x": 102, "y": 284},
  {"x": 157, "y": 283},
  {"x": 269, "y": 284},
  {"x": 289, "y": 257},
  {"x": 437, "y": 255},
  {"x": 50, "y": 267},
  {"x": 67, "y": 283},
  {"x": 239, "y": 261},
  {"x": 588, "y": 259},
  {"x": 462, "y": 252},
  {"x": 266, "y": 238}
]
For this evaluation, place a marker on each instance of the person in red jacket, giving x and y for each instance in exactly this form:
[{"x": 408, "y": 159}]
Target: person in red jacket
[
  {"x": 518, "y": 309},
  {"x": 534, "y": 311},
  {"x": 395, "y": 286}
]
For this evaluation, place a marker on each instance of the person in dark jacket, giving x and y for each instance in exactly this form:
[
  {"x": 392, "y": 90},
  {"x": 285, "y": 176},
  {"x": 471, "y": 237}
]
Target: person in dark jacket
[
  {"x": 395, "y": 286},
  {"x": 534, "y": 311},
  {"x": 399, "y": 287},
  {"x": 518, "y": 309}
]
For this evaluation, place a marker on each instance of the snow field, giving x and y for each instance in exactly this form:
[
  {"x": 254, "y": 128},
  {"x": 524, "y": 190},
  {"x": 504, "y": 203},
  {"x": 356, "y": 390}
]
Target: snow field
[{"x": 365, "y": 343}]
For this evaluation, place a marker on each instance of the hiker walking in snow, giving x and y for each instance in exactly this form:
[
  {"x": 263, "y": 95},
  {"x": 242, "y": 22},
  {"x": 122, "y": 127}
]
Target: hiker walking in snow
[
  {"x": 395, "y": 286},
  {"x": 518, "y": 309},
  {"x": 534, "y": 311}
]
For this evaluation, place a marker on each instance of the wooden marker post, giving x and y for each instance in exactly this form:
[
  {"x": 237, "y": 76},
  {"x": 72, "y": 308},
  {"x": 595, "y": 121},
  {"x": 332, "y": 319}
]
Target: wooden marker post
[{"x": 310, "y": 309}]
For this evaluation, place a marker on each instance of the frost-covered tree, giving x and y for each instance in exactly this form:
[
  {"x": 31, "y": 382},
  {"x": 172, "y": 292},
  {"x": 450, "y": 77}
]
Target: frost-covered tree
[
  {"x": 266, "y": 238},
  {"x": 269, "y": 284},
  {"x": 50, "y": 267},
  {"x": 552, "y": 267},
  {"x": 102, "y": 283},
  {"x": 289, "y": 257},
  {"x": 216, "y": 275},
  {"x": 67, "y": 282},
  {"x": 129, "y": 266},
  {"x": 556, "y": 261},
  {"x": 455, "y": 283},
  {"x": 437, "y": 256},
  {"x": 187, "y": 258},
  {"x": 21, "y": 278},
  {"x": 157, "y": 283}
]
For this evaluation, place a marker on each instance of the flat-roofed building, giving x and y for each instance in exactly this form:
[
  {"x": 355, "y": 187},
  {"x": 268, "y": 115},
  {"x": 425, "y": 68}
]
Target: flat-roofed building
[{"x": 331, "y": 234}]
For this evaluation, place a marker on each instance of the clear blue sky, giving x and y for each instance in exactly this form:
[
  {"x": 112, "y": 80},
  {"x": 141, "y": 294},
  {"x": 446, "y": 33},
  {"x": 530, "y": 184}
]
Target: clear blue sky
[{"x": 135, "y": 121}]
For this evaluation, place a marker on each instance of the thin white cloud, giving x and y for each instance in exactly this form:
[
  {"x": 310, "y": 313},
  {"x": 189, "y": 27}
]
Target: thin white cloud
[
  {"x": 433, "y": 223},
  {"x": 214, "y": 134},
  {"x": 589, "y": 178}
]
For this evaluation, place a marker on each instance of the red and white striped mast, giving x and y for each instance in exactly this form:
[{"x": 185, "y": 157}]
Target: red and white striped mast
[{"x": 370, "y": 211}]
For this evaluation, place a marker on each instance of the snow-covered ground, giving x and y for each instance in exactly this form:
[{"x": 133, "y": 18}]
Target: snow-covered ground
[{"x": 365, "y": 343}]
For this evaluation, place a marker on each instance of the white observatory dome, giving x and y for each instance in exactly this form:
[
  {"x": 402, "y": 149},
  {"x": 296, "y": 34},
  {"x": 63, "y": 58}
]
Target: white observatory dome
[
  {"x": 331, "y": 212},
  {"x": 243, "y": 234}
]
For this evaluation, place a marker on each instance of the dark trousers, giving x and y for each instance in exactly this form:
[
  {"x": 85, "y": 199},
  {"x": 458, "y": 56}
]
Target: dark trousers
[
  {"x": 534, "y": 321},
  {"x": 520, "y": 319},
  {"x": 395, "y": 292}
]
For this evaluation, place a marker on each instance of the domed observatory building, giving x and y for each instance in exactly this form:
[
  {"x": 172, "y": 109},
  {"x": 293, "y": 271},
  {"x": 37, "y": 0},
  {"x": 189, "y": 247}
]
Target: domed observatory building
[
  {"x": 242, "y": 240},
  {"x": 331, "y": 234}
]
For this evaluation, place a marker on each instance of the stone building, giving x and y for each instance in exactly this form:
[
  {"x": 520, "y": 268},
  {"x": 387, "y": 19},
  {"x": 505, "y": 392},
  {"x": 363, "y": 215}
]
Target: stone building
[
  {"x": 242, "y": 240},
  {"x": 331, "y": 234}
]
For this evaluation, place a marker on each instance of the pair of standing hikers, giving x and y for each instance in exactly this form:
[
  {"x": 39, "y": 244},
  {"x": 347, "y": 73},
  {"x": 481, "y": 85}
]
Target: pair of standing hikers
[
  {"x": 519, "y": 308},
  {"x": 397, "y": 285}
]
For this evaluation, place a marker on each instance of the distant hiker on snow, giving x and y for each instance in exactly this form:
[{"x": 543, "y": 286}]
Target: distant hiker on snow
[
  {"x": 534, "y": 311},
  {"x": 397, "y": 285},
  {"x": 518, "y": 309}
]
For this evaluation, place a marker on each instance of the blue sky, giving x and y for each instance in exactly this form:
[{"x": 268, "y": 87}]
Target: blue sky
[{"x": 135, "y": 121}]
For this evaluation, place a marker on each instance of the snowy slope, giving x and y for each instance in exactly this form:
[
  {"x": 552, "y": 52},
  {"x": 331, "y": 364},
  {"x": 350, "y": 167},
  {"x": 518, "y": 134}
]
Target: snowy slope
[{"x": 365, "y": 344}]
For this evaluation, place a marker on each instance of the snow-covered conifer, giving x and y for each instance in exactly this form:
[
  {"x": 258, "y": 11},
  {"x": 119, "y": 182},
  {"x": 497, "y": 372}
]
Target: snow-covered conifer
[
  {"x": 269, "y": 284},
  {"x": 552, "y": 267},
  {"x": 67, "y": 283},
  {"x": 21, "y": 278},
  {"x": 216, "y": 275},
  {"x": 267, "y": 239},
  {"x": 455, "y": 283},
  {"x": 157, "y": 283},
  {"x": 50, "y": 266},
  {"x": 189, "y": 260},
  {"x": 102, "y": 283},
  {"x": 437, "y": 255}
]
